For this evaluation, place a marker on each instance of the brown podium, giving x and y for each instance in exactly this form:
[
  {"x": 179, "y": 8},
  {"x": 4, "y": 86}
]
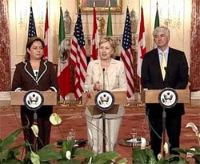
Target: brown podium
[
  {"x": 34, "y": 100},
  {"x": 151, "y": 96},
  {"x": 160, "y": 96},
  {"x": 99, "y": 122},
  {"x": 17, "y": 98}
]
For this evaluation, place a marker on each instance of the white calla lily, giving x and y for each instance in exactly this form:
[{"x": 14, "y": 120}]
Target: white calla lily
[
  {"x": 68, "y": 155},
  {"x": 159, "y": 156},
  {"x": 35, "y": 130},
  {"x": 143, "y": 143},
  {"x": 55, "y": 119},
  {"x": 166, "y": 148},
  {"x": 193, "y": 126},
  {"x": 35, "y": 158}
]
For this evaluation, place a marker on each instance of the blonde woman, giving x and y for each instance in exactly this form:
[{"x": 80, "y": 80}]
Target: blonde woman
[{"x": 105, "y": 73}]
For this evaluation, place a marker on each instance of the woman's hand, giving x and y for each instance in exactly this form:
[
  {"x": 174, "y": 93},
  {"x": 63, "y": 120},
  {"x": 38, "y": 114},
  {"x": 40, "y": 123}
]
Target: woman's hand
[{"x": 97, "y": 86}]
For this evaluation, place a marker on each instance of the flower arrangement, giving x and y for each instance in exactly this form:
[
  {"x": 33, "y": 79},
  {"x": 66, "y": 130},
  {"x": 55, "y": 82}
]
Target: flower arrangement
[{"x": 67, "y": 153}]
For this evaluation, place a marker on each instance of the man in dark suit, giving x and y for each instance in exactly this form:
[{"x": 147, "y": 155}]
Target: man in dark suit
[{"x": 154, "y": 75}]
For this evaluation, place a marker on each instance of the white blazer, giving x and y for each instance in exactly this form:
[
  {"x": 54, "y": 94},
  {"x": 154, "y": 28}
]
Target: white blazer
[{"x": 115, "y": 77}]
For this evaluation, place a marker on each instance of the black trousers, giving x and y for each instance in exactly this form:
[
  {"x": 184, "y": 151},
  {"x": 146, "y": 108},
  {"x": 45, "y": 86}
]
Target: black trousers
[
  {"x": 43, "y": 123},
  {"x": 173, "y": 130}
]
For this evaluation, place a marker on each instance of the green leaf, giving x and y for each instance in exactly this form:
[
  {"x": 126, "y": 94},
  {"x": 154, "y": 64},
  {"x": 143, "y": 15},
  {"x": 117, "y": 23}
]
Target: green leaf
[
  {"x": 64, "y": 161},
  {"x": 13, "y": 161},
  {"x": 48, "y": 153},
  {"x": 83, "y": 153},
  {"x": 4, "y": 144},
  {"x": 143, "y": 156},
  {"x": 104, "y": 158}
]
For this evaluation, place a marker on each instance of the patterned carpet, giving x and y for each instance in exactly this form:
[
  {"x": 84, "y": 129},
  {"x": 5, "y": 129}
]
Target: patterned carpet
[{"x": 74, "y": 117}]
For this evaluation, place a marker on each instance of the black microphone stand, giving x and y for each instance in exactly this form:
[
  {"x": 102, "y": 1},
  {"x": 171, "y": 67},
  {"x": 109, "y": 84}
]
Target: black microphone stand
[
  {"x": 164, "y": 115},
  {"x": 163, "y": 131},
  {"x": 103, "y": 118}
]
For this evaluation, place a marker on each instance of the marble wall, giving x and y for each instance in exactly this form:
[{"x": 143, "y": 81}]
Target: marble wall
[
  {"x": 195, "y": 46},
  {"x": 4, "y": 48}
]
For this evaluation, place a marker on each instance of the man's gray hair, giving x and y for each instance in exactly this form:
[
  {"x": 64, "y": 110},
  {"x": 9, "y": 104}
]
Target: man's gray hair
[{"x": 163, "y": 29}]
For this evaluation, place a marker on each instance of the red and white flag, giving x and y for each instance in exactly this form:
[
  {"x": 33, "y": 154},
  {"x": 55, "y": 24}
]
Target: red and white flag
[
  {"x": 65, "y": 80},
  {"x": 46, "y": 31},
  {"x": 127, "y": 55},
  {"x": 95, "y": 36},
  {"x": 141, "y": 44},
  {"x": 78, "y": 57}
]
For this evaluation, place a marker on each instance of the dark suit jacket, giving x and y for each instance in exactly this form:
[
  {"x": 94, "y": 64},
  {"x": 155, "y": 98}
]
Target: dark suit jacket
[
  {"x": 176, "y": 77},
  {"x": 24, "y": 77}
]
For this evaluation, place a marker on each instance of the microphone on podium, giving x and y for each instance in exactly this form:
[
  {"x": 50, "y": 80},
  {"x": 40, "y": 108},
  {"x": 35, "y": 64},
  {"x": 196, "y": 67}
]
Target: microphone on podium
[{"x": 103, "y": 78}]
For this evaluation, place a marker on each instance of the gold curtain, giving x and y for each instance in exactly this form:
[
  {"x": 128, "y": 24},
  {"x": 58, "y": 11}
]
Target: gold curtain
[
  {"x": 4, "y": 47},
  {"x": 195, "y": 46}
]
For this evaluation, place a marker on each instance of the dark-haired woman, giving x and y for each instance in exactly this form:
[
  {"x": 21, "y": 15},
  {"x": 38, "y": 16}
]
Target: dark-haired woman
[{"x": 35, "y": 73}]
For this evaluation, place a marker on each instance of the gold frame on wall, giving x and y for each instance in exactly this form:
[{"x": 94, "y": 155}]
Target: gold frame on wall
[{"x": 101, "y": 5}]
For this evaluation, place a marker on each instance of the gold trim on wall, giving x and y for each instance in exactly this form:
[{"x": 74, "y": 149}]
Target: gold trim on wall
[{"x": 100, "y": 5}]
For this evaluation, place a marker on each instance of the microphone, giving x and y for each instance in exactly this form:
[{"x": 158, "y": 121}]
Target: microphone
[
  {"x": 166, "y": 75},
  {"x": 103, "y": 78}
]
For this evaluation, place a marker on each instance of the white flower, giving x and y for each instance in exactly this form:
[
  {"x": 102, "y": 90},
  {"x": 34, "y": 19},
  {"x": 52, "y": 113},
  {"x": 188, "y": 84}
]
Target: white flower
[
  {"x": 35, "y": 158},
  {"x": 35, "y": 130},
  {"x": 55, "y": 119},
  {"x": 166, "y": 148},
  {"x": 68, "y": 155},
  {"x": 189, "y": 155},
  {"x": 194, "y": 128},
  {"x": 159, "y": 156},
  {"x": 90, "y": 160},
  {"x": 143, "y": 143}
]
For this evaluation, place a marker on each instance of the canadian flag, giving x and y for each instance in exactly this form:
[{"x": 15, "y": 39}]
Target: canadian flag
[
  {"x": 141, "y": 44},
  {"x": 46, "y": 31},
  {"x": 95, "y": 37}
]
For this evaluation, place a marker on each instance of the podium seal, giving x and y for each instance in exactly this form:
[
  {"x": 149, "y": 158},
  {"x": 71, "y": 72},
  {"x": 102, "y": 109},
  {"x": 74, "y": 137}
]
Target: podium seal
[
  {"x": 33, "y": 100},
  {"x": 168, "y": 98},
  {"x": 104, "y": 100}
]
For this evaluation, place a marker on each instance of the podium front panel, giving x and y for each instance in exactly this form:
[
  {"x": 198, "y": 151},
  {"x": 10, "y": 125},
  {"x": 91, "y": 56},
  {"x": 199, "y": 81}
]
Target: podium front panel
[
  {"x": 17, "y": 98},
  {"x": 151, "y": 96},
  {"x": 119, "y": 96}
]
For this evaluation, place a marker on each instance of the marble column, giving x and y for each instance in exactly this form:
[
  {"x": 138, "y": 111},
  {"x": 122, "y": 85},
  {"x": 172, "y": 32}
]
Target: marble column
[
  {"x": 195, "y": 46},
  {"x": 5, "y": 71}
]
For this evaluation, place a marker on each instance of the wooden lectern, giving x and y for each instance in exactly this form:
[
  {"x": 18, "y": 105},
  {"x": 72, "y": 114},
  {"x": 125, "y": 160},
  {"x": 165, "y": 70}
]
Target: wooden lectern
[
  {"x": 120, "y": 98},
  {"x": 17, "y": 98},
  {"x": 49, "y": 98},
  {"x": 89, "y": 101},
  {"x": 98, "y": 120},
  {"x": 151, "y": 96}
]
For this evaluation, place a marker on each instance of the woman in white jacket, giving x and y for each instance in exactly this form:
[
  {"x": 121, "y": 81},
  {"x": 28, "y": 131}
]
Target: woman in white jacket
[{"x": 105, "y": 73}]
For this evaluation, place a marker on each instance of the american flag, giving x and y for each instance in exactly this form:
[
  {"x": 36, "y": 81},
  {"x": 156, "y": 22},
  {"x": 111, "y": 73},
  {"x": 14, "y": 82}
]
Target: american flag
[
  {"x": 31, "y": 28},
  {"x": 78, "y": 56},
  {"x": 127, "y": 56}
]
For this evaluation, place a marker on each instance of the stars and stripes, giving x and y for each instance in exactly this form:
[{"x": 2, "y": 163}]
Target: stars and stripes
[
  {"x": 78, "y": 56},
  {"x": 127, "y": 56},
  {"x": 31, "y": 28}
]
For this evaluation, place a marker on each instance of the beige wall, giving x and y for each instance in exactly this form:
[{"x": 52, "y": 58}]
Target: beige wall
[{"x": 176, "y": 13}]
